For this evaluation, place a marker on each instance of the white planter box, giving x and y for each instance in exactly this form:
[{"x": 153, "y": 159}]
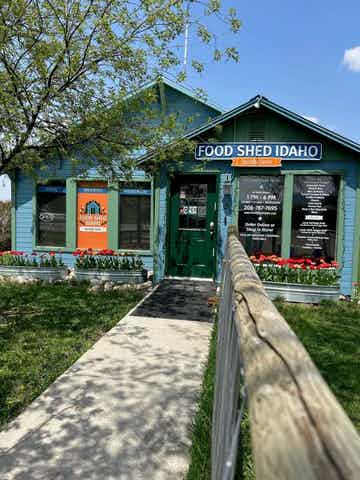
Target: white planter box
[
  {"x": 46, "y": 274},
  {"x": 295, "y": 292},
  {"x": 119, "y": 276}
]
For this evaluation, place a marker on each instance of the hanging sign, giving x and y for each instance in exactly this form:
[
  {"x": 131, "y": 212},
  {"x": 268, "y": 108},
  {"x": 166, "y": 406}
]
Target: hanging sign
[
  {"x": 92, "y": 215},
  {"x": 256, "y": 162},
  {"x": 283, "y": 151}
]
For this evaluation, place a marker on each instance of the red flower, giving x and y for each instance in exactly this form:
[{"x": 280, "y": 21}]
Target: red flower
[{"x": 299, "y": 260}]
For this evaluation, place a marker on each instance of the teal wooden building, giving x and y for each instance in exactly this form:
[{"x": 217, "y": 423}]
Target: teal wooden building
[{"x": 291, "y": 186}]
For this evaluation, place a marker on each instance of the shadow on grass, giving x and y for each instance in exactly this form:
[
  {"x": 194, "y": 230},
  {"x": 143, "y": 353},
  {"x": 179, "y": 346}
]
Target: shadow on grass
[
  {"x": 123, "y": 411},
  {"x": 43, "y": 330}
]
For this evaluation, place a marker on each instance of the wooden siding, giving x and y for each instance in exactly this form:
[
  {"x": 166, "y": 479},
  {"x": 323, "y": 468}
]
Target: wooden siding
[
  {"x": 336, "y": 160},
  {"x": 176, "y": 102}
]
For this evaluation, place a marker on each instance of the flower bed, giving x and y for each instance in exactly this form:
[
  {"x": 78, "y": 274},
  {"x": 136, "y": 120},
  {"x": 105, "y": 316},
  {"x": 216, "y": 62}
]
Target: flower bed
[
  {"x": 302, "y": 280},
  {"x": 305, "y": 271},
  {"x": 107, "y": 265},
  {"x": 47, "y": 266}
]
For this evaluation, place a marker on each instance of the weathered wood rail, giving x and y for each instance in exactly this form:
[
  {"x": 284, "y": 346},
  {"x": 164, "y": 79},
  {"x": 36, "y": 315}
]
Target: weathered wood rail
[{"x": 298, "y": 428}]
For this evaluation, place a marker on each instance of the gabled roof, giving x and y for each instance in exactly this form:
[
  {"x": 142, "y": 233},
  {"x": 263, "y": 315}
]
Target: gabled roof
[
  {"x": 260, "y": 101},
  {"x": 184, "y": 90}
]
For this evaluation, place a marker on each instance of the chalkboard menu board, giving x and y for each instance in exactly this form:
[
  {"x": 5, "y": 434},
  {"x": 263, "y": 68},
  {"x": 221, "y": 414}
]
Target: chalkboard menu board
[
  {"x": 314, "y": 216},
  {"x": 260, "y": 214}
]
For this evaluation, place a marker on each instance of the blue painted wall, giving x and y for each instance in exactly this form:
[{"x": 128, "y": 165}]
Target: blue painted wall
[
  {"x": 335, "y": 159},
  {"x": 227, "y": 208},
  {"x": 176, "y": 102},
  {"x": 276, "y": 128}
]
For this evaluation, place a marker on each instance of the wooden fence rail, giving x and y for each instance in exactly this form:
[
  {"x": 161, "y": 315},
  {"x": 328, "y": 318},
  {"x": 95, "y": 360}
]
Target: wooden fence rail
[{"x": 298, "y": 429}]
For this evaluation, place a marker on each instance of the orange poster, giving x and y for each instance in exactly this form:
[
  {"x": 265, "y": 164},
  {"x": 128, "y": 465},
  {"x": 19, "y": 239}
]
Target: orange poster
[
  {"x": 92, "y": 215},
  {"x": 256, "y": 162}
]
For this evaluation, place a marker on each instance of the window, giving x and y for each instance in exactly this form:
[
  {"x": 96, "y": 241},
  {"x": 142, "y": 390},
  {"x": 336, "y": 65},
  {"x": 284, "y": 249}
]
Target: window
[
  {"x": 314, "y": 216},
  {"x": 92, "y": 215},
  {"x": 135, "y": 216},
  {"x": 260, "y": 213},
  {"x": 51, "y": 214},
  {"x": 193, "y": 205}
]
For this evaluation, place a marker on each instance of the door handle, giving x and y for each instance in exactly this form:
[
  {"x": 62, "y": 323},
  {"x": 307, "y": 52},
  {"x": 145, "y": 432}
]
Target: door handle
[{"x": 212, "y": 229}]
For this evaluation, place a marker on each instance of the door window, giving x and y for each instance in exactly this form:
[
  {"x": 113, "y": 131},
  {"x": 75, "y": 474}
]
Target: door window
[{"x": 192, "y": 209}]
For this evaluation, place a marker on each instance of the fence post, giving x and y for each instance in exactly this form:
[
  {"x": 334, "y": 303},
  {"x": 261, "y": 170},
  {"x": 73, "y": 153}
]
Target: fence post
[{"x": 299, "y": 431}]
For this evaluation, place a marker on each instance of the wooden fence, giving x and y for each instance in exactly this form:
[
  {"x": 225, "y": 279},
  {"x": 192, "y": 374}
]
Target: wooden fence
[{"x": 298, "y": 429}]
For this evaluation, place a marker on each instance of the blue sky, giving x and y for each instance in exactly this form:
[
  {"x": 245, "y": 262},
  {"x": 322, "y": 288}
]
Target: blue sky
[{"x": 292, "y": 53}]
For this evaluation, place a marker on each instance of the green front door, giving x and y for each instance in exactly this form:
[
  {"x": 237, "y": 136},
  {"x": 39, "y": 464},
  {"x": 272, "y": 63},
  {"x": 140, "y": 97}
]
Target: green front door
[{"x": 193, "y": 222}]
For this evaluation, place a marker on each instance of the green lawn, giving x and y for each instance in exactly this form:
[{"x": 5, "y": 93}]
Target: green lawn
[
  {"x": 43, "y": 330},
  {"x": 331, "y": 335}
]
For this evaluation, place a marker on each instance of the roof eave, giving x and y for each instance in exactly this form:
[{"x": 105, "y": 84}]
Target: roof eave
[
  {"x": 257, "y": 102},
  {"x": 336, "y": 137}
]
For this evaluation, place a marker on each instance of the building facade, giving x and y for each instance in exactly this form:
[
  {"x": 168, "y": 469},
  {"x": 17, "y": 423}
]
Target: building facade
[{"x": 291, "y": 186}]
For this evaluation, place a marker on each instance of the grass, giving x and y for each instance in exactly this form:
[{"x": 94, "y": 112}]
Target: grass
[
  {"x": 45, "y": 329},
  {"x": 331, "y": 334},
  {"x": 200, "y": 453}
]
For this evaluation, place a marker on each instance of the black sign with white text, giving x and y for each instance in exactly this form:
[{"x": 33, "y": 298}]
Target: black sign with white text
[
  {"x": 260, "y": 213},
  {"x": 314, "y": 216}
]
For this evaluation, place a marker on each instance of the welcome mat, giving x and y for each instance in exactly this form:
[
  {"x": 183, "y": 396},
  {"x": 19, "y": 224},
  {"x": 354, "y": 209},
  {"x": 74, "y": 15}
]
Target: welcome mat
[{"x": 180, "y": 300}]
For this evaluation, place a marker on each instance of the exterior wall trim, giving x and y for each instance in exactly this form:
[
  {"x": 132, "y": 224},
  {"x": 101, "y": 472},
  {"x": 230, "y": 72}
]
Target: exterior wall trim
[
  {"x": 287, "y": 215},
  {"x": 13, "y": 212},
  {"x": 356, "y": 239}
]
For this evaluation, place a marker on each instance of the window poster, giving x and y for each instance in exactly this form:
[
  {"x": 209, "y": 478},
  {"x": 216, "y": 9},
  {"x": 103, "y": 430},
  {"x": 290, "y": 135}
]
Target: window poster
[
  {"x": 260, "y": 213},
  {"x": 92, "y": 215},
  {"x": 314, "y": 216}
]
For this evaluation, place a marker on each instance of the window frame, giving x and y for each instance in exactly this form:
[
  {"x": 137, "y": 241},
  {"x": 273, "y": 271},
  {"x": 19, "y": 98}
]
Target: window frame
[
  {"x": 71, "y": 214},
  {"x": 35, "y": 224},
  {"x": 288, "y": 203},
  {"x": 148, "y": 251}
]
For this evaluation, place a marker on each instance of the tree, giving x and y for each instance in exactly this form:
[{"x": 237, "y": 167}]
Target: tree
[{"x": 68, "y": 67}]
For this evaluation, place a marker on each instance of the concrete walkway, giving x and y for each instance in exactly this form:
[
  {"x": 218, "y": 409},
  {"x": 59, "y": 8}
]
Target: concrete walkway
[{"x": 122, "y": 411}]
